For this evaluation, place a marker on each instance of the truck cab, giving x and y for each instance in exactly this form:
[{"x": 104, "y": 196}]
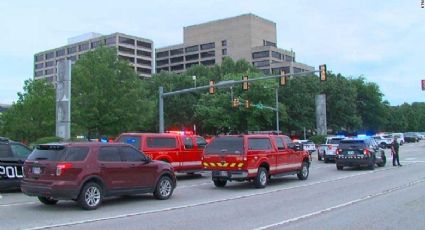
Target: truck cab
[
  {"x": 254, "y": 158},
  {"x": 183, "y": 152}
]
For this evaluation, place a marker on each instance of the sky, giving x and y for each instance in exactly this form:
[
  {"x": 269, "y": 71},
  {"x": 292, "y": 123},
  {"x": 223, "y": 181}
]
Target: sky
[{"x": 382, "y": 41}]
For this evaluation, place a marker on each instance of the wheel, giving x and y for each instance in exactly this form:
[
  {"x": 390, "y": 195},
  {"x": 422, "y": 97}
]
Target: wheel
[
  {"x": 303, "y": 174},
  {"x": 47, "y": 200},
  {"x": 220, "y": 183},
  {"x": 260, "y": 180},
  {"x": 91, "y": 196},
  {"x": 384, "y": 161},
  {"x": 164, "y": 188},
  {"x": 339, "y": 167},
  {"x": 372, "y": 165}
]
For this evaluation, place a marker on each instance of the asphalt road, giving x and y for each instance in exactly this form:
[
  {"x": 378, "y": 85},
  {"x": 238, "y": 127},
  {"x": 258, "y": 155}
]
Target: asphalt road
[{"x": 385, "y": 198}]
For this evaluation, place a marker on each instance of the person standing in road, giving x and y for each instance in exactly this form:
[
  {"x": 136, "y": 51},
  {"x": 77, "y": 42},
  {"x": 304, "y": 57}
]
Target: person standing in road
[{"x": 394, "y": 151}]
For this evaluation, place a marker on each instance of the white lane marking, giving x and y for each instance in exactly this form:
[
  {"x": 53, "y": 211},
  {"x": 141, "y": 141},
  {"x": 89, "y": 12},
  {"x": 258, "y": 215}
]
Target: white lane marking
[
  {"x": 17, "y": 204},
  {"x": 193, "y": 185},
  {"x": 368, "y": 197},
  {"x": 201, "y": 203},
  {"x": 410, "y": 158}
]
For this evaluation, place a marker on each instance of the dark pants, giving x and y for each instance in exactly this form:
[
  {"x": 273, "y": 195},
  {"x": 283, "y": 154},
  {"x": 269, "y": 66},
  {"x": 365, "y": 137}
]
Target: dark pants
[{"x": 395, "y": 157}]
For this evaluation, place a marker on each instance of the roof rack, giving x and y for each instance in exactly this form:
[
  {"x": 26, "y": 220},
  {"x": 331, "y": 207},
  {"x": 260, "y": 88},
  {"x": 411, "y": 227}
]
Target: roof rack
[{"x": 4, "y": 139}]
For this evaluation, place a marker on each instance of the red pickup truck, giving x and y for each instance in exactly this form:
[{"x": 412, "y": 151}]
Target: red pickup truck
[
  {"x": 254, "y": 158},
  {"x": 183, "y": 152}
]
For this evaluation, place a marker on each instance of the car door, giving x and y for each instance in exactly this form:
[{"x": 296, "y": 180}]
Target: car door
[
  {"x": 261, "y": 148},
  {"x": 294, "y": 156},
  {"x": 283, "y": 155},
  {"x": 164, "y": 148},
  {"x": 19, "y": 154},
  {"x": 141, "y": 172},
  {"x": 112, "y": 169}
]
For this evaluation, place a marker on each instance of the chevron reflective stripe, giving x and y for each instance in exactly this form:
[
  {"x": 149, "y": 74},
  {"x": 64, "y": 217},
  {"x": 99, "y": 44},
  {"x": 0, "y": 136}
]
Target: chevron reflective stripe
[
  {"x": 232, "y": 165},
  {"x": 240, "y": 165},
  {"x": 205, "y": 164},
  {"x": 222, "y": 164},
  {"x": 212, "y": 164}
]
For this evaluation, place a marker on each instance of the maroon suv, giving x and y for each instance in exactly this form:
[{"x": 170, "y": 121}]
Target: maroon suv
[{"x": 88, "y": 172}]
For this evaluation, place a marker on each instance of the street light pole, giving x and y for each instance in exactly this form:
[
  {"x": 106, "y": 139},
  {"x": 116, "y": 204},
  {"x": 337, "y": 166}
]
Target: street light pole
[{"x": 277, "y": 110}]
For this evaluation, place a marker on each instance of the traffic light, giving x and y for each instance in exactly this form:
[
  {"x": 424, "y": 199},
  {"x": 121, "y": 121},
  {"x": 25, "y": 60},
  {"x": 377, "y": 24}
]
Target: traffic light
[
  {"x": 212, "y": 88},
  {"x": 235, "y": 103},
  {"x": 282, "y": 81},
  {"x": 247, "y": 104},
  {"x": 245, "y": 84},
  {"x": 423, "y": 84},
  {"x": 322, "y": 69}
]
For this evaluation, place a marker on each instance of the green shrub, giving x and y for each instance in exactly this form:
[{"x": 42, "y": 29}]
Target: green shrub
[
  {"x": 45, "y": 140},
  {"x": 318, "y": 139}
]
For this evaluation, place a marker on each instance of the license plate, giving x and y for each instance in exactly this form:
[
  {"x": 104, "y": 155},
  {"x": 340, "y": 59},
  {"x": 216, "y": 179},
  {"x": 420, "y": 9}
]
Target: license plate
[
  {"x": 350, "y": 152},
  {"x": 36, "y": 170}
]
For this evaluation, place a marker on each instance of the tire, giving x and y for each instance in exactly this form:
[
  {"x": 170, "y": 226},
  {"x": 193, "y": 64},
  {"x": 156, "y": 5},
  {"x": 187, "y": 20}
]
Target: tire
[
  {"x": 303, "y": 174},
  {"x": 339, "y": 167},
  {"x": 261, "y": 179},
  {"x": 219, "y": 183},
  {"x": 47, "y": 200},
  {"x": 91, "y": 196},
  {"x": 164, "y": 188}
]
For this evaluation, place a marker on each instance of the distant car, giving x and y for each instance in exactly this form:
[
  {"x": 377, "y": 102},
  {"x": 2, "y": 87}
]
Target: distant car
[
  {"x": 327, "y": 151},
  {"x": 384, "y": 141},
  {"x": 308, "y": 145},
  {"x": 411, "y": 137},
  {"x": 88, "y": 172},
  {"x": 360, "y": 152},
  {"x": 400, "y": 137},
  {"x": 12, "y": 157}
]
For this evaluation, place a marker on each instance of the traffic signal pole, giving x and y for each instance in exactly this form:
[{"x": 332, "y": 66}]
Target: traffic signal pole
[{"x": 222, "y": 84}]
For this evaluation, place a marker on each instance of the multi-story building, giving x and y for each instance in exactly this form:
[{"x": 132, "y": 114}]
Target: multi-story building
[
  {"x": 246, "y": 37},
  {"x": 138, "y": 51}
]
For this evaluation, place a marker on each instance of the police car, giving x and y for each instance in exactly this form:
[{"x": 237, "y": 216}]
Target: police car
[{"x": 12, "y": 157}]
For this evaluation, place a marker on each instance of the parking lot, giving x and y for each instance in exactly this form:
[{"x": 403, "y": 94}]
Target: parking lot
[{"x": 384, "y": 198}]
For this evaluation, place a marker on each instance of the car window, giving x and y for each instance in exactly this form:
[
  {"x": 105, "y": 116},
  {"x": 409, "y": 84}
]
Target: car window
[
  {"x": 225, "y": 145},
  {"x": 201, "y": 142},
  {"x": 20, "y": 151},
  {"x": 4, "y": 150},
  {"x": 188, "y": 143},
  {"x": 132, "y": 140},
  {"x": 76, "y": 153},
  {"x": 131, "y": 154},
  {"x": 334, "y": 141},
  {"x": 109, "y": 154},
  {"x": 289, "y": 142},
  {"x": 279, "y": 143},
  {"x": 48, "y": 153},
  {"x": 351, "y": 144},
  {"x": 161, "y": 142},
  {"x": 259, "y": 144}
]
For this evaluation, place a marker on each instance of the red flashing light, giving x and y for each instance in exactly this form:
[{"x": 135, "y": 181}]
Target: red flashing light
[{"x": 366, "y": 152}]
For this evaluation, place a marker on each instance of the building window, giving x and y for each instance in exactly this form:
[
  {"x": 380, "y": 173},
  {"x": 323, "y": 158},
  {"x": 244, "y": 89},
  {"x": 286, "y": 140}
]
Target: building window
[
  {"x": 60, "y": 53},
  {"x": 144, "y": 70},
  {"x": 276, "y": 55},
  {"x": 130, "y": 59},
  {"x": 96, "y": 44},
  {"x": 191, "y": 49},
  {"x": 192, "y": 57},
  {"x": 176, "y": 59},
  {"x": 72, "y": 50},
  {"x": 162, "y": 62},
  {"x": 261, "y": 63},
  {"x": 208, "y": 62},
  {"x": 208, "y": 54},
  {"x": 127, "y": 41},
  {"x": 208, "y": 46},
  {"x": 144, "y": 53},
  {"x": 188, "y": 65},
  {"x": 59, "y": 60},
  {"x": 144, "y": 62},
  {"x": 266, "y": 71},
  {"x": 111, "y": 41},
  {"x": 126, "y": 50},
  {"x": 260, "y": 54},
  {"x": 177, "y": 67},
  {"x": 49, "y": 71},
  {"x": 268, "y": 43},
  {"x": 72, "y": 58},
  {"x": 158, "y": 70},
  {"x": 39, "y": 58},
  {"x": 297, "y": 70},
  {"x": 144, "y": 44},
  {"x": 176, "y": 52},
  {"x": 50, "y": 55},
  {"x": 50, "y": 63},
  {"x": 162, "y": 54},
  {"x": 84, "y": 47},
  {"x": 289, "y": 58},
  {"x": 39, "y": 73},
  {"x": 224, "y": 51},
  {"x": 39, "y": 66},
  {"x": 224, "y": 43}
]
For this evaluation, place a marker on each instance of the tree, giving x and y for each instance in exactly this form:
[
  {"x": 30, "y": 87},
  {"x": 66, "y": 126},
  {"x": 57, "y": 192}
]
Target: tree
[
  {"x": 33, "y": 115},
  {"x": 107, "y": 95}
]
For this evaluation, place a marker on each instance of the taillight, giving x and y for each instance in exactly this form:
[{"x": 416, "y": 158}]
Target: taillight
[
  {"x": 61, "y": 167},
  {"x": 366, "y": 152},
  {"x": 338, "y": 151}
]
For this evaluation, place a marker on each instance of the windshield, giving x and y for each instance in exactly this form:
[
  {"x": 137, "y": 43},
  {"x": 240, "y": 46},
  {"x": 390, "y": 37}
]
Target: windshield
[
  {"x": 334, "y": 141},
  {"x": 225, "y": 145}
]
